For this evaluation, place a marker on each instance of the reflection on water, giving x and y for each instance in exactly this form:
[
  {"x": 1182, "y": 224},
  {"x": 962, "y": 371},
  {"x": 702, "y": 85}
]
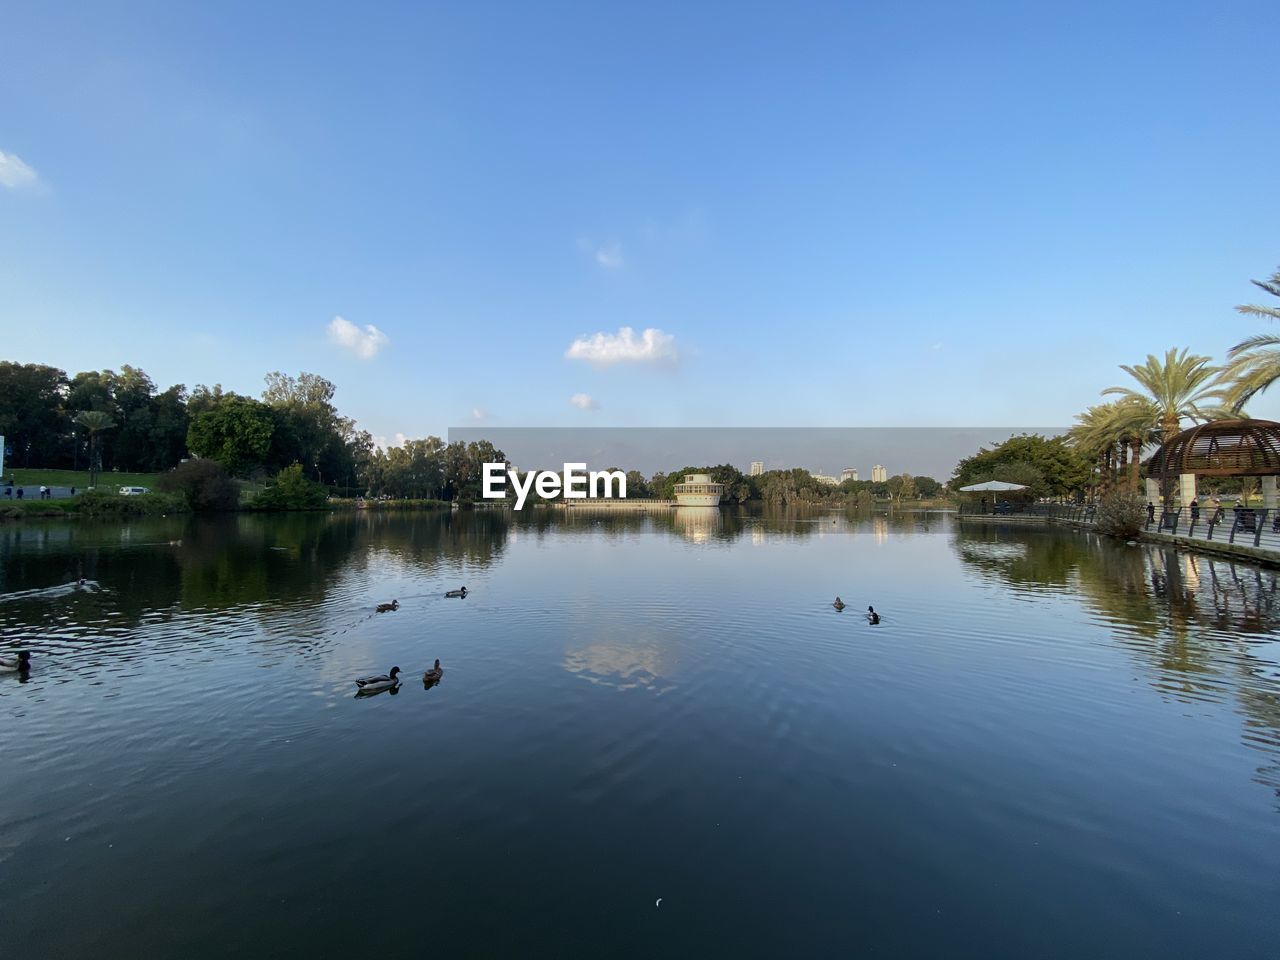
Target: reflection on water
[
  {"x": 1206, "y": 626},
  {"x": 1053, "y": 745}
]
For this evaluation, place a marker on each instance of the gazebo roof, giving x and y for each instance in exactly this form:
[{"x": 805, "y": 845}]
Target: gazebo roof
[
  {"x": 1221, "y": 448},
  {"x": 1000, "y": 485}
]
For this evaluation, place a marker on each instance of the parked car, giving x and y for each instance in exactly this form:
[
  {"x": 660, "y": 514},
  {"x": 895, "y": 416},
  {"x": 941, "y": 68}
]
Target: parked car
[{"x": 133, "y": 491}]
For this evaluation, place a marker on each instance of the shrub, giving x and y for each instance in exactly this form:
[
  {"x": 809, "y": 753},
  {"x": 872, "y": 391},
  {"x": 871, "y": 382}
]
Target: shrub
[
  {"x": 18, "y": 509},
  {"x": 1120, "y": 514},
  {"x": 292, "y": 491},
  {"x": 202, "y": 484},
  {"x": 100, "y": 503}
]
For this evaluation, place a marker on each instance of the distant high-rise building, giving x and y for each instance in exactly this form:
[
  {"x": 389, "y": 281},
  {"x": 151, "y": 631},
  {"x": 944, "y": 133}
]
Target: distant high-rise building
[
  {"x": 848, "y": 473},
  {"x": 879, "y": 474},
  {"x": 757, "y": 467},
  {"x": 823, "y": 478}
]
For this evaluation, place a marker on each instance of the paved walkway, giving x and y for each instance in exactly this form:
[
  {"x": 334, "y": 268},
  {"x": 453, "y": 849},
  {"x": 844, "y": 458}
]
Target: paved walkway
[
  {"x": 10, "y": 494},
  {"x": 1250, "y": 533}
]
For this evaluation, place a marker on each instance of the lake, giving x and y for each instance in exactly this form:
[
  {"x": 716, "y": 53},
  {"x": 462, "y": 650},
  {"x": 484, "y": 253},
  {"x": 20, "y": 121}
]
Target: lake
[{"x": 655, "y": 737}]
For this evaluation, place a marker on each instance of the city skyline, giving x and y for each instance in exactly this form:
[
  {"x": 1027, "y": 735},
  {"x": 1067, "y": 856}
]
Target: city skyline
[{"x": 826, "y": 451}]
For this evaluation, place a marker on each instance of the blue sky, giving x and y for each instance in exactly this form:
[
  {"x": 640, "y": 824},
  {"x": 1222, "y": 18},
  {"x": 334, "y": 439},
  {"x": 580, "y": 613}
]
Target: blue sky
[{"x": 836, "y": 214}]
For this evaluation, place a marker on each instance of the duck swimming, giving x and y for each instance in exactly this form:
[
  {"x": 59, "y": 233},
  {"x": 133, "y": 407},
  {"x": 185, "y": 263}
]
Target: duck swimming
[
  {"x": 872, "y": 616},
  {"x": 22, "y": 662},
  {"x": 388, "y": 607},
  {"x": 432, "y": 676},
  {"x": 839, "y": 604},
  {"x": 384, "y": 681},
  {"x": 457, "y": 593}
]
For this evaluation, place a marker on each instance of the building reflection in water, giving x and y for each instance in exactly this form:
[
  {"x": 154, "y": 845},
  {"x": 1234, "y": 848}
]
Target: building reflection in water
[{"x": 698, "y": 524}]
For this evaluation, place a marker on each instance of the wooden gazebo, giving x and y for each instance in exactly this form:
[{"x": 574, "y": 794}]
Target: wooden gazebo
[{"x": 1220, "y": 448}]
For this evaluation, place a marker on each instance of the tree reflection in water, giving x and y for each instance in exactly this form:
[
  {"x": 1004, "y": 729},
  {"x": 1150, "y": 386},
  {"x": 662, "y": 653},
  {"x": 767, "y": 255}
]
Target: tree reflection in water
[{"x": 1203, "y": 627}]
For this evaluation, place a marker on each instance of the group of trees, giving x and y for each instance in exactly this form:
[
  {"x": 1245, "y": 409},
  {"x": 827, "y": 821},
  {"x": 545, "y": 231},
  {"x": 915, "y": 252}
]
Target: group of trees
[
  {"x": 295, "y": 422},
  {"x": 1103, "y": 451},
  {"x": 1047, "y": 466},
  {"x": 430, "y": 469},
  {"x": 1166, "y": 392},
  {"x": 788, "y": 486},
  {"x": 109, "y": 420},
  {"x": 51, "y": 420},
  {"x": 777, "y": 487}
]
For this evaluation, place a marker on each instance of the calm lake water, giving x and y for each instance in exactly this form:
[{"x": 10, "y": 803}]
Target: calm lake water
[{"x": 1052, "y": 746}]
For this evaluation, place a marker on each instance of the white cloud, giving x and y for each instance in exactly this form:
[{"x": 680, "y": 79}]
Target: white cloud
[
  {"x": 14, "y": 173},
  {"x": 479, "y": 413},
  {"x": 606, "y": 349},
  {"x": 607, "y": 255},
  {"x": 382, "y": 443},
  {"x": 584, "y": 401},
  {"x": 610, "y": 257},
  {"x": 364, "y": 343}
]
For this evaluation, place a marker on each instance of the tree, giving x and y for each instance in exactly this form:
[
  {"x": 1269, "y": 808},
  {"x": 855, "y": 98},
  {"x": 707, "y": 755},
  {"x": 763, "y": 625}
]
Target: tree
[
  {"x": 236, "y": 431},
  {"x": 167, "y": 437},
  {"x": 1025, "y": 474},
  {"x": 1253, "y": 364},
  {"x": 927, "y": 486},
  {"x": 1120, "y": 514},
  {"x": 309, "y": 429},
  {"x": 32, "y": 413},
  {"x": 636, "y": 487},
  {"x": 202, "y": 484},
  {"x": 1114, "y": 434},
  {"x": 95, "y": 421},
  {"x": 1177, "y": 385},
  {"x": 132, "y": 392},
  {"x": 291, "y": 491},
  {"x": 1061, "y": 468},
  {"x": 902, "y": 487}
]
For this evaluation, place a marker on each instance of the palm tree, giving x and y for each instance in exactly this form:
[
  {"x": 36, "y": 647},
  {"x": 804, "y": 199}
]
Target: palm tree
[
  {"x": 1094, "y": 435},
  {"x": 1115, "y": 433},
  {"x": 1136, "y": 422},
  {"x": 1176, "y": 385},
  {"x": 95, "y": 421},
  {"x": 1254, "y": 364}
]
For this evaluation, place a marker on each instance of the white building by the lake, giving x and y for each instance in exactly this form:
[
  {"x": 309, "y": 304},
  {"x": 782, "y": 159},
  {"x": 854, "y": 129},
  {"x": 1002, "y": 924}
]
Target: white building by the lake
[{"x": 698, "y": 490}]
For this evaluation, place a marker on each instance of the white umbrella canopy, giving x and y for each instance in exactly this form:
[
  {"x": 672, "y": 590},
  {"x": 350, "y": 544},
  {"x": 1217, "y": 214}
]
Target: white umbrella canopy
[{"x": 993, "y": 485}]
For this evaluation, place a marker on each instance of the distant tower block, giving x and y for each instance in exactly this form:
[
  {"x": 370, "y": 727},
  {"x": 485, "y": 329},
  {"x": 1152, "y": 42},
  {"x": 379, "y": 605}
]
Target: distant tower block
[
  {"x": 757, "y": 467},
  {"x": 879, "y": 474},
  {"x": 848, "y": 473}
]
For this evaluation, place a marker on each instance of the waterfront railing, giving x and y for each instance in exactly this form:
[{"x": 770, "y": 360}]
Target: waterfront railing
[{"x": 1245, "y": 526}]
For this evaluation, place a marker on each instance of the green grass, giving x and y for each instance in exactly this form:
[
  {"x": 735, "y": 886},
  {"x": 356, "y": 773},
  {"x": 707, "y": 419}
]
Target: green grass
[{"x": 107, "y": 480}]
